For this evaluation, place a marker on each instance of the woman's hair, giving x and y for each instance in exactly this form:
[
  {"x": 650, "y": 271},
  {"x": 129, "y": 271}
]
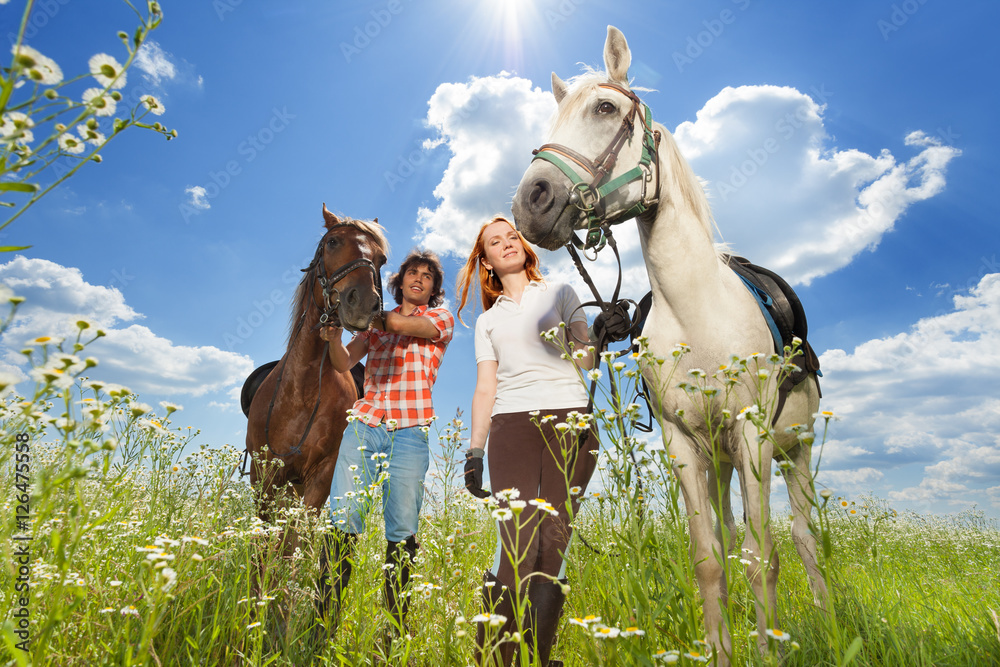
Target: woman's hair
[
  {"x": 489, "y": 285},
  {"x": 417, "y": 258}
]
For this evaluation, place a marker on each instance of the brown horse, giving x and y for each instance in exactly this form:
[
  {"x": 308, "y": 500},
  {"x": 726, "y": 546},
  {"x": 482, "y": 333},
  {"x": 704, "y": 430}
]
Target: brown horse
[{"x": 299, "y": 410}]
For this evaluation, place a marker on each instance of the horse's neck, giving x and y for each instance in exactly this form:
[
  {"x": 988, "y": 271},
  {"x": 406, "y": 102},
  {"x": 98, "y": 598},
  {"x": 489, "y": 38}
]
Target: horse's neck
[
  {"x": 683, "y": 268},
  {"x": 305, "y": 347}
]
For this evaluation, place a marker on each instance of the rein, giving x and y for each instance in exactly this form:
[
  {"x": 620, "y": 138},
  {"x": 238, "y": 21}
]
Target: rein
[{"x": 591, "y": 198}]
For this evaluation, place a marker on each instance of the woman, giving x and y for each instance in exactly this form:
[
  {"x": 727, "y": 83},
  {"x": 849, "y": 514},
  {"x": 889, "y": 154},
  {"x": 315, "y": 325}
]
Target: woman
[{"x": 521, "y": 379}]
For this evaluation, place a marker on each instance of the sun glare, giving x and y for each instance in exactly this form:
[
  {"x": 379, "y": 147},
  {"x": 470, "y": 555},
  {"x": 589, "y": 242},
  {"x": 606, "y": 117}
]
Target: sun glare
[{"x": 510, "y": 22}]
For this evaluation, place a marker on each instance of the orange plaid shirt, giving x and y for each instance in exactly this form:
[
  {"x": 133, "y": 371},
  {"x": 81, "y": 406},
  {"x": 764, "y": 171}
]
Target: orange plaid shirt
[{"x": 400, "y": 372}]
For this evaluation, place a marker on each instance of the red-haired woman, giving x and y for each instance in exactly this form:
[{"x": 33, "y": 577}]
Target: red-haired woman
[{"x": 521, "y": 376}]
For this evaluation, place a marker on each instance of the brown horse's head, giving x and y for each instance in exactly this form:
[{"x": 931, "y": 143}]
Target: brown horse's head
[{"x": 345, "y": 272}]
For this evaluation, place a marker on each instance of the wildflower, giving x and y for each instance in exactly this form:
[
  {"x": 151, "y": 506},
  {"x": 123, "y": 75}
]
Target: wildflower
[
  {"x": 669, "y": 657},
  {"x": 632, "y": 631},
  {"x": 775, "y": 633},
  {"x": 604, "y": 632},
  {"x": 502, "y": 514},
  {"x": 827, "y": 415},
  {"x": 594, "y": 374},
  {"x": 107, "y": 610},
  {"x": 697, "y": 373},
  {"x": 152, "y": 103},
  {"x": 575, "y": 490},
  {"x": 103, "y": 105},
  {"x": 508, "y": 494},
  {"x": 825, "y": 493},
  {"x": 534, "y": 413},
  {"x": 90, "y": 135},
  {"x": 696, "y": 656},
  {"x": 253, "y": 625},
  {"x": 747, "y": 411},
  {"x": 40, "y": 69},
  {"x": 586, "y": 621},
  {"x": 107, "y": 71},
  {"x": 517, "y": 506},
  {"x": 129, "y": 611}
]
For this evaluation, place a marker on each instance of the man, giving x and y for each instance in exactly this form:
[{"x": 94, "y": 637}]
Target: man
[{"x": 386, "y": 441}]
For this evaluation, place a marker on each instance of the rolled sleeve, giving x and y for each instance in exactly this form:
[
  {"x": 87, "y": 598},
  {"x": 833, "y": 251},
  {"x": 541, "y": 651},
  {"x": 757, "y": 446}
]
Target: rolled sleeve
[{"x": 443, "y": 321}]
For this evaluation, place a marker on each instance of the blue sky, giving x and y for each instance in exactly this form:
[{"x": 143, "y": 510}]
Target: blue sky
[{"x": 849, "y": 146}]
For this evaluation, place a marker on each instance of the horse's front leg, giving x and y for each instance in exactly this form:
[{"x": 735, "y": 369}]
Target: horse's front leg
[
  {"x": 758, "y": 553},
  {"x": 719, "y": 485}
]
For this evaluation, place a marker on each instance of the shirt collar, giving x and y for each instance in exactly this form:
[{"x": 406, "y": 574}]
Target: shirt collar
[{"x": 534, "y": 284}]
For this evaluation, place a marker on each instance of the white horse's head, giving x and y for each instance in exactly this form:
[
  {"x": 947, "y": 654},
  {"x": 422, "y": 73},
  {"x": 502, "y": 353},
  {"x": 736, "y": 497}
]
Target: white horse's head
[{"x": 599, "y": 162}]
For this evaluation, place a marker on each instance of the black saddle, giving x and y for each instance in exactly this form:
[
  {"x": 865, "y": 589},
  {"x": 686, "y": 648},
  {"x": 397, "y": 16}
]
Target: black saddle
[
  {"x": 255, "y": 379},
  {"x": 785, "y": 309}
]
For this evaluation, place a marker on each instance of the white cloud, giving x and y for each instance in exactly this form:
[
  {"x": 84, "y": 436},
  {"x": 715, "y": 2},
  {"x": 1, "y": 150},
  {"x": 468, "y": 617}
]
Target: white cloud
[
  {"x": 922, "y": 406},
  {"x": 154, "y": 63},
  {"x": 198, "y": 197},
  {"x": 130, "y": 354},
  {"x": 805, "y": 209},
  {"x": 784, "y": 196},
  {"x": 491, "y": 125}
]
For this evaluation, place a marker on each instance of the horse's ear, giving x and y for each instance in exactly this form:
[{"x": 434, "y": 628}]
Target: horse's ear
[
  {"x": 330, "y": 218},
  {"x": 617, "y": 57},
  {"x": 375, "y": 221},
  {"x": 558, "y": 88}
]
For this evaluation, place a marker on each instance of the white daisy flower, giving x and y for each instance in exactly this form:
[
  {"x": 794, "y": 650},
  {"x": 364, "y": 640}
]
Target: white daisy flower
[
  {"x": 107, "y": 71},
  {"x": 103, "y": 105},
  {"x": 70, "y": 143},
  {"x": 40, "y": 69}
]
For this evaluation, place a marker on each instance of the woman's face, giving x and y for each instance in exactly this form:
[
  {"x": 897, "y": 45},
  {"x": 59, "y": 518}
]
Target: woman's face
[{"x": 503, "y": 248}]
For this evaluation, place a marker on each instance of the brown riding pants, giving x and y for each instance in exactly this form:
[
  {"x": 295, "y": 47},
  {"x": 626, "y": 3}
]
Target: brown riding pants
[{"x": 539, "y": 463}]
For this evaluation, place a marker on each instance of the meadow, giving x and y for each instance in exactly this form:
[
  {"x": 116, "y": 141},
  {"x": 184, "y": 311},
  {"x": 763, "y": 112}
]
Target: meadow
[{"x": 143, "y": 549}]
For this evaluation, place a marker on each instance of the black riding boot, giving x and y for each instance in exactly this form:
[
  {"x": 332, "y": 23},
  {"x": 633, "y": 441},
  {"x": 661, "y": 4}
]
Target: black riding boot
[
  {"x": 497, "y": 601},
  {"x": 546, "y": 599},
  {"x": 334, "y": 574},
  {"x": 398, "y": 559}
]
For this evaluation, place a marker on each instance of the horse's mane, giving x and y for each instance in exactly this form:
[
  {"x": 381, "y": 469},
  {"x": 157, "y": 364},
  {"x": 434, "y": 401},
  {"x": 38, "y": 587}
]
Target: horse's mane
[
  {"x": 690, "y": 188},
  {"x": 302, "y": 292}
]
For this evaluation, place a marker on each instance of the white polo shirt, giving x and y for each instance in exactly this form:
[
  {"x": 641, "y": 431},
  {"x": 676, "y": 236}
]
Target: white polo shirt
[{"x": 531, "y": 375}]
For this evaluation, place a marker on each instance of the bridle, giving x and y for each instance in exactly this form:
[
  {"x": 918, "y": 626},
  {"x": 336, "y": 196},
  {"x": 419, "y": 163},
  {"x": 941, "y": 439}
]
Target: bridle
[
  {"x": 591, "y": 197},
  {"x": 330, "y": 308}
]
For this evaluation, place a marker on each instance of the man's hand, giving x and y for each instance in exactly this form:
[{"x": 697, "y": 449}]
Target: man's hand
[
  {"x": 329, "y": 333},
  {"x": 474, "y": 473}
]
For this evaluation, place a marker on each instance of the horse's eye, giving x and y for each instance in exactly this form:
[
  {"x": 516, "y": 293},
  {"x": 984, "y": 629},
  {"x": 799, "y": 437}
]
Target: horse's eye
[
  {"x": 605, "y": 108},
  {"x": 332, "y": 243}
]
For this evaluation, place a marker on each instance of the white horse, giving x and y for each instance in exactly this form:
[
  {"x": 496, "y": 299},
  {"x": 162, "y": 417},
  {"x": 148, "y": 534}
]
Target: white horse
[{"x": 697, "y": 299}]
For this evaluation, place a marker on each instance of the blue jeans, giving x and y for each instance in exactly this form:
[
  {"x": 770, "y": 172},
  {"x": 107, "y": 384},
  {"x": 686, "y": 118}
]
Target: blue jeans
[{"x": 371, "y": 456}]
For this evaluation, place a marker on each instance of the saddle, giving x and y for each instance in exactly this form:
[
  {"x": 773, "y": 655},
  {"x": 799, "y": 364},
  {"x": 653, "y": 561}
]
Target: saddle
[
  {"x": 255, "y": 379},
  {"x": 781, "y": 308}
]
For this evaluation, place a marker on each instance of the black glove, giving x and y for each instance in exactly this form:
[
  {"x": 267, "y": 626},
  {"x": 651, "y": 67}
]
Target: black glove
[
  {"x": 474, "y": 474},
  {"x": 613, "y": 327}
]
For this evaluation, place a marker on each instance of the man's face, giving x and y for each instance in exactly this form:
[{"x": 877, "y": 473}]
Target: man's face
[{"x": 418, "y": 284}]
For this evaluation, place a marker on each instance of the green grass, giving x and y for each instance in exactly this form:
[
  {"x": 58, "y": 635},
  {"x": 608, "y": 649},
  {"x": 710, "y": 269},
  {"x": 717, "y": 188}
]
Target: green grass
[{"x": 144, "y": 553}]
